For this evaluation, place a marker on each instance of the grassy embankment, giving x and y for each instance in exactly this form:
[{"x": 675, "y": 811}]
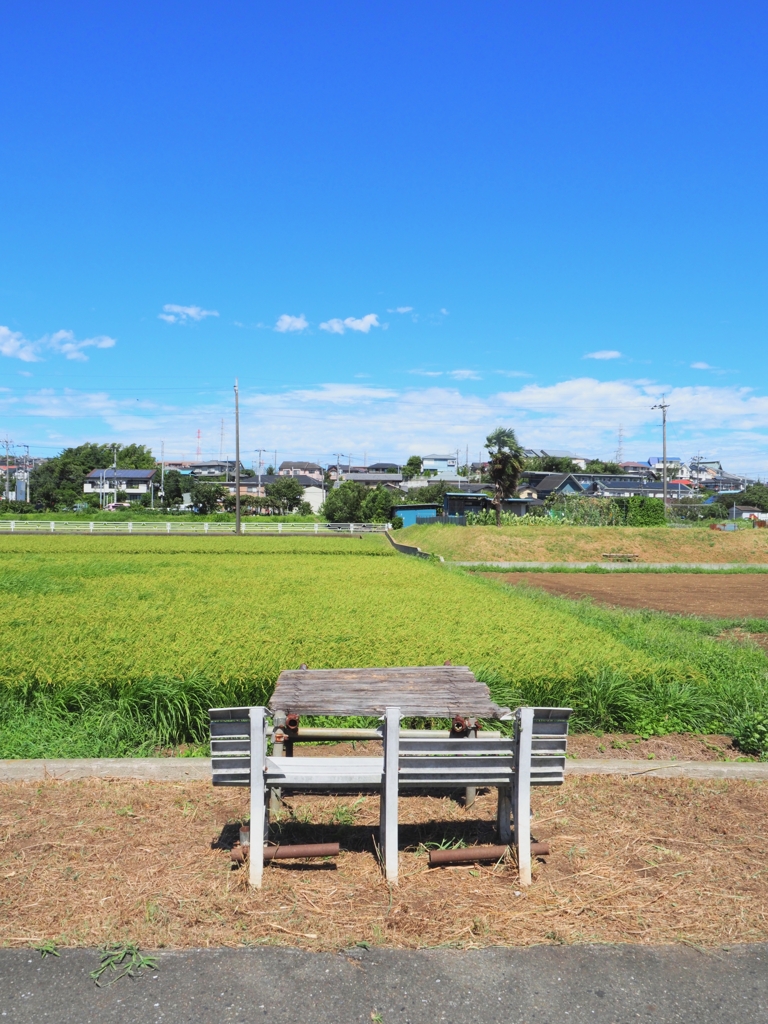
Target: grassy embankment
[
  {"x": 117, "y": 646},
  {"x": 587, "y": 543}
]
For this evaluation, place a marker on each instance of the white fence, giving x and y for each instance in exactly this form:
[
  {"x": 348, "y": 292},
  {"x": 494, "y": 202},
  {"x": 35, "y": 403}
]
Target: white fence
[{"x": 168, "y": 526}]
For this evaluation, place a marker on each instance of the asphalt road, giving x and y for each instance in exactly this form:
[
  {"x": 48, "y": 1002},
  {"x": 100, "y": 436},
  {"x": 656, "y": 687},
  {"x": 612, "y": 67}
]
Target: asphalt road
[{"x": 543, "y": 985}]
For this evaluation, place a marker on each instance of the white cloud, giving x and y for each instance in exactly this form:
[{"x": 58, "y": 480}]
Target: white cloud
[
  {"x": 66, "y": 343},
  {"x": 14, "y": 345},
  {"x": 444, "y": 311},
  {"x": 173, "y": 314},
  {"x": 604, "y": 353},
  {"x": 364, "y": 324},
  {"x": 401, "y": 309},
  {"x": 287, "y": 323},
  {"x": 427, "y": 373},
  {"x": 464, "y": 375},
  {"x": 701, "y": 366},
  {"x": 512, "y": 373}
]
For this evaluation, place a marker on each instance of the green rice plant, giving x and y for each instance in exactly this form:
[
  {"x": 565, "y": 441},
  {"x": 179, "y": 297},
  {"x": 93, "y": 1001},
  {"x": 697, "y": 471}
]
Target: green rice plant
[{"x": 118, "y": 646}]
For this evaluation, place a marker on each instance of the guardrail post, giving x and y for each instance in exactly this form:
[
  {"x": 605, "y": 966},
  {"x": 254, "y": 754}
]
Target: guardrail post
[
  {"x": 90, "y": 527},
  {"x": 351, "y": 527},
  {"x": 130, "y": 527},
  {"x": 205, "y": 527},
  {"x": 315, "y": 527},
  {"x": 279, "y": 527},
  {"x": 167, "y": 527},
  {"x": 53, "y": 527},
  {"x": 13, "y": 524}
]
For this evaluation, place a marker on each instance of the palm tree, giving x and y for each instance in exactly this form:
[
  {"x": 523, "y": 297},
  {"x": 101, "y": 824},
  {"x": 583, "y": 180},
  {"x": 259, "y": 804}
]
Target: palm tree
[{"x": 505, "y": 464}]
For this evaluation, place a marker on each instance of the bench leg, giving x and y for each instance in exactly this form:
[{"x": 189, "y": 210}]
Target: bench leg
[
  {"x": 258, "y": 802},
  {"x": 523, "y": 794},
  {"x": 389, "y": 793},
  {"x": 470, "y": 795},
  {"x": 504, "y": 814}
]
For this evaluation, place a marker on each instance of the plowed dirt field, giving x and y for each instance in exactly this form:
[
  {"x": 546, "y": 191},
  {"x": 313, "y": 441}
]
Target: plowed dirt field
[{"x": 724, "y": 597}]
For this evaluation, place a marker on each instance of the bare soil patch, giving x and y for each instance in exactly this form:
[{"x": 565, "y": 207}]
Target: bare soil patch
[
  {"x": 722, "y": 597},
  {"x": 633, "y": 860}
]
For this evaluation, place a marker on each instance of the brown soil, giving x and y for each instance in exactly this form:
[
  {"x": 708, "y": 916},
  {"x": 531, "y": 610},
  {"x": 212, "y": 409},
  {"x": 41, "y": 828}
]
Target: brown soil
[
  {"x": 633, "y": 860},
  {"x": 722, "y": 597}
]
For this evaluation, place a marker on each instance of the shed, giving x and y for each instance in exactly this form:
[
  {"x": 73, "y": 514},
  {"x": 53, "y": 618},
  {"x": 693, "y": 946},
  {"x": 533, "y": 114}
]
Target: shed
[{"x": 408, "y": 513}]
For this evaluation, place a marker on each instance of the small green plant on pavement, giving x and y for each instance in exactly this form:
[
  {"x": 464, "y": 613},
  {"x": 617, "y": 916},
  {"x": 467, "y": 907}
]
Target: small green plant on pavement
[
  {"x": 122, "y": 958},
  {"x": 47, "y": 948}
]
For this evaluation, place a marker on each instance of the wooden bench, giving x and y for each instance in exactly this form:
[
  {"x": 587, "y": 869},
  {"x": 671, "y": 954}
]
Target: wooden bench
[{"x": 533, "y": 756}]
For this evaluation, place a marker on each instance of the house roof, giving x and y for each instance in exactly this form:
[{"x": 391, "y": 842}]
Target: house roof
[
  {"x": 121, "y": 474},
  {"x": 300, "y": 465},
  {"x": 554, "y": 481}
]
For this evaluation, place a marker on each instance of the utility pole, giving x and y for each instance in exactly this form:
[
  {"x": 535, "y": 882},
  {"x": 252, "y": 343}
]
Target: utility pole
[
  {"x": 8, "y": 443},
  {"x": 237, "y": 460},
  {"x": 114, "y": 469},
  {"x": 663, "y": 406},
  {"x": 27, "y": 474},
  {"x": 162, "y": 470}
]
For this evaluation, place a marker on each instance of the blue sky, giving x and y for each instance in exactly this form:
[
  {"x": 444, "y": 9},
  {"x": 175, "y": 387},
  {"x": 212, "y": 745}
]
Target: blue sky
[{"x": 399, "y": 225}]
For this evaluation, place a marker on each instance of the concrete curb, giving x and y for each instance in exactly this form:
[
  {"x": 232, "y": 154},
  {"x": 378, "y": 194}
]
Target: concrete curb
[
  {"x": 638, "y": 567},
  {"x": 196, "y": 769}
]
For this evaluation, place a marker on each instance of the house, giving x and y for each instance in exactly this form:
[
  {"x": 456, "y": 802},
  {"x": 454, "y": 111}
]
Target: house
[
  {"x": 443, "y": 467},
  {"x": 301, "y": 469},
  {"x": 134, "y": 482},
  {"x": 392, "y": 480},
  {"x": 213, "y": 467},
  {"x": 383, "y": 467},
  {"x": 541, "y": 485},
  {"x": 458, "y": 503},
  {"x": 314, "y": 492}
]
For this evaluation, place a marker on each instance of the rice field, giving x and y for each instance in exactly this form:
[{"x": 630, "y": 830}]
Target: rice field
[{"x": 117, "y": 646}]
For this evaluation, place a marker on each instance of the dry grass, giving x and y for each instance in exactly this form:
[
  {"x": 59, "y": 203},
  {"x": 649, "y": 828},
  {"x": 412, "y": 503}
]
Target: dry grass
[
  {"x": 587, "y": 543},
  {"x": 634, "y": 860}
]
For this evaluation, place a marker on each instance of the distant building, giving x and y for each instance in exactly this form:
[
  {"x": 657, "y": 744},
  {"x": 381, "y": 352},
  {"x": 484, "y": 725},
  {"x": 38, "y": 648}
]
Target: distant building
[
  {"x": 443, "y": 467},
  {"x": 134, "y": 482},
  {"x": 301, "y": 469},
  {"x": 213, "y": 467}
]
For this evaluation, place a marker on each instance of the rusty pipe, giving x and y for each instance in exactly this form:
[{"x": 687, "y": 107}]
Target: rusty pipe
[
  {"x": 239, "y": 853},
  {"x": 471, "y": 854}
]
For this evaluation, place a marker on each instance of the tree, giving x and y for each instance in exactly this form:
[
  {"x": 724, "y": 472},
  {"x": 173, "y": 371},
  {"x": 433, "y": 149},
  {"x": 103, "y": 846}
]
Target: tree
[
  {"x": 431, "y": 494},
  {"x": 550, "y": 464},
  {"x": 755, "y": 494},
  {"x": 596, "y": 466},
  {"x": 412, "y": 467},
  {"x": 352, "y": 502},
  {"x": 285, "y": 495},
  {"x": 59, "y": 481},
  {"x": 505, "y": 464},
  {"x": 173, "y": 488},
  {"x": 343, "y": 503},
  {"x": 206, "y": 497}
]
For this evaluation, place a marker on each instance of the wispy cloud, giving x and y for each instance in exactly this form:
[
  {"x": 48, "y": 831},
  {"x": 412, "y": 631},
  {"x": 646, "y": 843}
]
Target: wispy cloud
[
  {"x": 702, "y": 366},
  {"x": 14, "y": 345},
  {"x": 582, "y": 414},
  {"x": 464, "y": 375},
  {"x": 173, "y": 314},
  {"x": 512, "y": 373},
  {"x": 66, "y": 343},
  {"x": 401, "y": 309},
  {"x": 287, "y": 323},
  {"x": 604, "y": 353},
  {"x": 364, "y": 324}
]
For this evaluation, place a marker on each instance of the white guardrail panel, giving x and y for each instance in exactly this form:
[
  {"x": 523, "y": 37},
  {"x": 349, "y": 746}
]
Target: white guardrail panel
[{"x": 169, "y": 526}]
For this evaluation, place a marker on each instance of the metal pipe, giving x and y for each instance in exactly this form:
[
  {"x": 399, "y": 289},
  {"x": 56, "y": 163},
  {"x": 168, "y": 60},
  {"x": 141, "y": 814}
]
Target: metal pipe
[
  {"x": 471, "y": 854},
  {"x": 466, "y": 856},
  {"x": 307, "y": 735},
  {"x": 288, "y": 852}
]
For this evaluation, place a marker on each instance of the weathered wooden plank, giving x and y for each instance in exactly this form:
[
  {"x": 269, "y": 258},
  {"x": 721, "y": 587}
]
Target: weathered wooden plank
[{"x": 429, "y": 691}]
